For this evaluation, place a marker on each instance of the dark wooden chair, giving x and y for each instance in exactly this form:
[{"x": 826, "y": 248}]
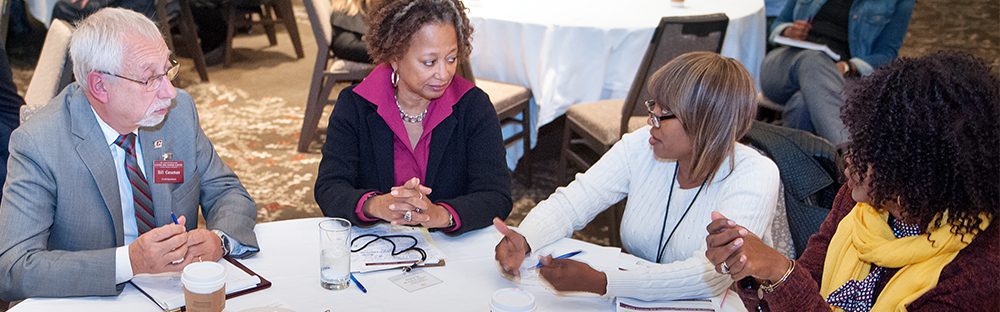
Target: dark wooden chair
[
  {"x": 189, "y": 31},
  {"x": 325, "y": 74},
  {"x": 4, "y": 20},
  {"x": 512, "y": 103},
  {"x": 271, "y": 12}
]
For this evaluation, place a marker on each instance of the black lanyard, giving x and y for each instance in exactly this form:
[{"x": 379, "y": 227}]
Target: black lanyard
[{"x": 661, "y": 249}]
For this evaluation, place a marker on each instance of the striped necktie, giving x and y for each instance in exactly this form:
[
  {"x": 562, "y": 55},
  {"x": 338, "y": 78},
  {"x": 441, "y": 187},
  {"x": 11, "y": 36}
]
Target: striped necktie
[{"x": 143, "y": 202}]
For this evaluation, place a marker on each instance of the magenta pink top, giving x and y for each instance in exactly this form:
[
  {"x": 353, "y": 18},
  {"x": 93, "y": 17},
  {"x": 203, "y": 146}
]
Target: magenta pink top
[{"x": 408, "y": 161}]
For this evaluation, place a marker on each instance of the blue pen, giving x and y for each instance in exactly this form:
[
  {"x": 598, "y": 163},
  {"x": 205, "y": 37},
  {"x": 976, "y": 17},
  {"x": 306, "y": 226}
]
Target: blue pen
[
  {"x": 563, "y": 256},
  {"x": 356, "y": 282},
  {"x": 174, "y": 217}
]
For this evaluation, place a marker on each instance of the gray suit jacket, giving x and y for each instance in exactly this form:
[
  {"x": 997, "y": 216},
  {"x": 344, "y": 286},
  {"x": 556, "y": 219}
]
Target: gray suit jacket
[{"x": 61, "y": 216}]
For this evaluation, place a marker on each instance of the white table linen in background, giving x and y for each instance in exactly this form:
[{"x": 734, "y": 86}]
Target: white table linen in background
[
  {"x": 579, "y": 51},
  {"x": 289, "y": 258}
]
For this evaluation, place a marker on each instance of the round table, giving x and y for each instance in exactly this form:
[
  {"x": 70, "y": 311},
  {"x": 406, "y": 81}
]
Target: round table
[
  {"x": 289, "y": 258},
  {"x": 579, "y": 51}
]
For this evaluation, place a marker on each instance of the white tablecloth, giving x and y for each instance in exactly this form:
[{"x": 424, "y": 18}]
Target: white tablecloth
[
  {"x": 578, "y": 51},
  {"x": 41, "y": 10},
  {"x": 289, "y": 258}
]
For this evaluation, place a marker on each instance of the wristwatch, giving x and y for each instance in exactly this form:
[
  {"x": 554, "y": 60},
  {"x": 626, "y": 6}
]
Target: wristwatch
[{"x": 225, "y": 242}]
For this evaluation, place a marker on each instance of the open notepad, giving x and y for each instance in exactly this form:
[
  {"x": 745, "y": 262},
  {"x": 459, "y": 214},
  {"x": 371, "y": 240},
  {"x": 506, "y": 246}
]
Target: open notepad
[
  {"x": 782, "y": 40},
  {"x": 167, "y": 292},
  {"x": 378, "y": 255}
]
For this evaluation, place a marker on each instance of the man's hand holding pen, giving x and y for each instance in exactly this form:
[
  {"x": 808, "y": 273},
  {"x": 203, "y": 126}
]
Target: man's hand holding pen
[{"x": 156, "y": 251}]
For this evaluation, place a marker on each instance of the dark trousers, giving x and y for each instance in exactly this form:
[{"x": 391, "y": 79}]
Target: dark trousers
[{"x": 10, "y": 110}]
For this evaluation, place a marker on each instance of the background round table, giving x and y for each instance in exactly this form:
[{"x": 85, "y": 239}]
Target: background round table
[{"x": 579, "y": 51}]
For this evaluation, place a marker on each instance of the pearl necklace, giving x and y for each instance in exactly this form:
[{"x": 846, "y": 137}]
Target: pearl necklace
[{"x": 410, "y": 118}]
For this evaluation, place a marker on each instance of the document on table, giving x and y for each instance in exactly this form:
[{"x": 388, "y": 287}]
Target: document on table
[
  {"x": 782, "y": 40},
  {"x": 378, "y": 255},
  {"x": 600, "y": 258},
  {"x": 635, "y": 305},
  {"x": 167, "y": 291}
]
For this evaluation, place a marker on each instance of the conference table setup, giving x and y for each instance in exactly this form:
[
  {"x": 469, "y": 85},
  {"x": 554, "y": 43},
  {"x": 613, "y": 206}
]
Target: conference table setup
[{"x": 290, "y": 260}]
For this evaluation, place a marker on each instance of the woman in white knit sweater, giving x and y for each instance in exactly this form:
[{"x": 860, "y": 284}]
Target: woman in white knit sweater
[{"x": 675, "y": 172}]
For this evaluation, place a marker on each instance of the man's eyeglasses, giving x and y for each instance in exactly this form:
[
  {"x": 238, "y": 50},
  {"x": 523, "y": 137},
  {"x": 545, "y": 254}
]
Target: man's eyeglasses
[
  {"x": 153, "y": 82},
  {"x": 655, "y": 120}
]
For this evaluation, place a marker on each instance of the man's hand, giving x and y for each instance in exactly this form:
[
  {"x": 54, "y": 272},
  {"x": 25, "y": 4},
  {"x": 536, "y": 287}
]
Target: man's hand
[
  {"x": 572, "y": 275},
  {"x": 798, "y": 30},
  {"x": 510, "y": 251},
  {"x": 203, "y": 245},
  {"x": 155, "y": 251}
]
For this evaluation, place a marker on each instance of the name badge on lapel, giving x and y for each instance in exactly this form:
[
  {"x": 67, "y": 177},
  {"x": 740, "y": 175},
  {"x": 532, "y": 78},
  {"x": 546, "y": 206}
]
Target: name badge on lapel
[{"x": 168, "y": 171}]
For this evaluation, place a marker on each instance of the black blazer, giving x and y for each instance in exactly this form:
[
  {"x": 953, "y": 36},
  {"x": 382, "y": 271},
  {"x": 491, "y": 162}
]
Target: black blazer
[{"x": 466, "y": 167}]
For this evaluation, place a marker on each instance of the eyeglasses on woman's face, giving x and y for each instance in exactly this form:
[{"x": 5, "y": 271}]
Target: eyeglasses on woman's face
[
  {"x": 153, "y": 82},
  {"x": 654, "y": 119}
]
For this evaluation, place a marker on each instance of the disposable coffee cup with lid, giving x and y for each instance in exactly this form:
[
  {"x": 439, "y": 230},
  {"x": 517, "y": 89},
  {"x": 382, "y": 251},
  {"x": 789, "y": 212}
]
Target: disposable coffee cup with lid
[
  {"x": 203, "y": 277},
  {"x": 204, "y": 287},
  {"x": 512, "y": 300}
]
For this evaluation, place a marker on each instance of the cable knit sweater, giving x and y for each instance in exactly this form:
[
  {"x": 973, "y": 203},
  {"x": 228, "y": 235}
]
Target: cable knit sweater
[
  {"x": 968, "y": 283},
  {"x": 745, "y": 189}
]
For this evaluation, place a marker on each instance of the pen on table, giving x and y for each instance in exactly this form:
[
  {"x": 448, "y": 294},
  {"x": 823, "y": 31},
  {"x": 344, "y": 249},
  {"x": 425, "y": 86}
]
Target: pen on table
[
  {"x": 356, "y": 282},
  {"x": 563, "y": 256}
]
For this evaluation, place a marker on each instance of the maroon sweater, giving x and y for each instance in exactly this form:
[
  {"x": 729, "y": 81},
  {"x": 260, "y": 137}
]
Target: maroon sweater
[{"x": 968, "y": 283}]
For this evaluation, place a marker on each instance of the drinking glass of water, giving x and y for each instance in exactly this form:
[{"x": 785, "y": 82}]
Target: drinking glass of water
[{"x": 335, "y": 253}]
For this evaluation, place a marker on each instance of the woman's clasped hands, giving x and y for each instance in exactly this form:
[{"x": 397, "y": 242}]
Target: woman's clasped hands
[
  {"x": 408, "y": 204},
  {"x": 735, "y": 251}
]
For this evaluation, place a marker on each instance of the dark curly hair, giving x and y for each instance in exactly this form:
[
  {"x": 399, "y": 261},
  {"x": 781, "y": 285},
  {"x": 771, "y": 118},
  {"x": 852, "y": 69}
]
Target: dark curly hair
[
  {"x": 928, "y": 129},
  {"x": 393, "y": 23}
]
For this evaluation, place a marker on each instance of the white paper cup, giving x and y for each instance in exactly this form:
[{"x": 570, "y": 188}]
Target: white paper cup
[
  {"x": 204, "y": 287},
  {"x": 512, "y": 300}
]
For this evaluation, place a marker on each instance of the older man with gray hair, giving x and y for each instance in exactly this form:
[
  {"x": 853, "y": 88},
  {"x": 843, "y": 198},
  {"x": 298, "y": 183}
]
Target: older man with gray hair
[{"x": 97, "y": 175}]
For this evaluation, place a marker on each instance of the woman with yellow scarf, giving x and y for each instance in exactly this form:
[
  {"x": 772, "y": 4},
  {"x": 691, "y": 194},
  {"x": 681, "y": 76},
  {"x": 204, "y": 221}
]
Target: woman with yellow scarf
[{"x": 914, "y": 228}]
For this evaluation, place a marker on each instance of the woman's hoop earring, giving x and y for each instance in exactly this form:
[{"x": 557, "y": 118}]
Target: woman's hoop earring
[{"x": 394, "y": 78}]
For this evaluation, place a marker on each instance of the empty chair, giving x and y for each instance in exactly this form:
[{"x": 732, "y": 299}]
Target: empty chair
[
  {"x": 189, "y": 31},
  {"x": 271, "y": 12},
  {"x": 4, "y": 23},
  {"x": 509, "y": 100},
  {"x": 328, "y": 71},
  {"x": 54, "y": 70}
]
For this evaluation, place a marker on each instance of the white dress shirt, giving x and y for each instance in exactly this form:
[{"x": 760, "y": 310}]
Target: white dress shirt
[
  {"x": 123, "y": 263},
  {"x": 744, "y": 189}
]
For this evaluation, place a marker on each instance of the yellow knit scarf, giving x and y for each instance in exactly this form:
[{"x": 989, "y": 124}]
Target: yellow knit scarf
[{"x": 864, "y": 238}]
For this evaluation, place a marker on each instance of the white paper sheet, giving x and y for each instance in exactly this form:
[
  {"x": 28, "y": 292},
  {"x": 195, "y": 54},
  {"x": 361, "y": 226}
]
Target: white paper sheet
[
  {"x": 378, "y": 255},
  {"x": 695, "y": 305},
  {"x": 782, "y": 40},
  {"x": 599, "y": 258},
  {"x": 167, "y": 291}
]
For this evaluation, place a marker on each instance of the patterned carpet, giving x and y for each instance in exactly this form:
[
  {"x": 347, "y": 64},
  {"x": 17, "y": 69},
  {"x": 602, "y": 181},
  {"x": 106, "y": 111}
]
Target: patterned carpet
[{"x": 256, "y": 136}]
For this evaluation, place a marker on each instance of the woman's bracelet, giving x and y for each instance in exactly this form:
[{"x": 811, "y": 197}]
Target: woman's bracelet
[{"x": 768, "y": 287}]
